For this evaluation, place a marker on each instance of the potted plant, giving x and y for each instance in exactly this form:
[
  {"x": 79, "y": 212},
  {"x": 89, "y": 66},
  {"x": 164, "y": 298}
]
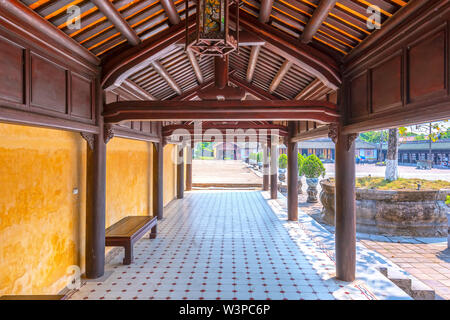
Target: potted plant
[
  {"x": 282, "y": 165},
  {"x": 300, "y": 160},
  {"x": 312, "y": 168}
]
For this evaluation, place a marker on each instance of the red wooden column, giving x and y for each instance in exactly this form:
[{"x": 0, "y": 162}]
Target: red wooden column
[
  {"x": 180, "y": 173},
  {"x": 273, "y": 167},
  {"x": 345, "y": 218},
  {"x": 158, "y": 203},
  {"x": 189, "y": 167},
  {"x": 292, "y": 171},
  {"x": 266, "y": 165},
  {"x": 95, "y": 196}
]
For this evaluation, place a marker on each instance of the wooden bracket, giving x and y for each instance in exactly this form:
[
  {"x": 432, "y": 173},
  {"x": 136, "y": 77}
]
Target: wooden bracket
[
  {"x": 108, "y": 132},
  {"x": 89, "y": 137}
]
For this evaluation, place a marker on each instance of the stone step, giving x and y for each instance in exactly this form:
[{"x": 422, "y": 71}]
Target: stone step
[{"x": 413, "y": 287}]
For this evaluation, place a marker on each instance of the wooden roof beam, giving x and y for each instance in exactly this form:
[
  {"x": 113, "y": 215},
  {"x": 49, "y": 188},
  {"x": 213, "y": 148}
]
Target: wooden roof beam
[
  {"x": 194, "y": 63},
  {"x": 143, "y": 93},
  {"x": 280, "y": 75},
  {"x": 171, "y": 11},
  {"x": 252, "y": 62},
  {"x": 318, "y": 17},
  {"x": 265, "y": 10},
  {"x": 108, "y": 9},
  {"x": 312, "y": 87},
  {"x": 166, "y": 76},
  {"x": 227, "y": 110},
  {"x": 306, "y": 57},
  {"x": 253, "y": 90}
]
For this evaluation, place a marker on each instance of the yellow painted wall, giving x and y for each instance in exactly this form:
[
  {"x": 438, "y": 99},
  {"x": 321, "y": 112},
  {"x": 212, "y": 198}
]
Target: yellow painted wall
[
  {"x": 41, "y": 233},
  {"x": 128, "y": 184},
  {"x": 42, "y": 222},
  {"x": 170, "y": 174}
]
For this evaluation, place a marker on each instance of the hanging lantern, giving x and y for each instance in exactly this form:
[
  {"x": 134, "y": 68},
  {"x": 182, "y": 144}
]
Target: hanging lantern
[{"x": 212, "y": 33}]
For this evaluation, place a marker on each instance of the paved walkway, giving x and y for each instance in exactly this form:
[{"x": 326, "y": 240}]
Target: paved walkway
[
  {"x": 426, "y": 259},
  {"x": 234, "y": 245},
  {"x": 408, "y": 172},
  {"x": 223, "y": 172}
]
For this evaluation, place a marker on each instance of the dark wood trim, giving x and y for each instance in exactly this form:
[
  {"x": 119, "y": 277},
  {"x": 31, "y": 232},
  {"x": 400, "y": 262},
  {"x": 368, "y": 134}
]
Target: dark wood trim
[
  {"x": 318, "y": 17},
  {"x": 15, "y": 116},
  {"x": 319, "y": 111},
  {"x": 126, "y": 133},
  {"x": 311, "y": 134}
]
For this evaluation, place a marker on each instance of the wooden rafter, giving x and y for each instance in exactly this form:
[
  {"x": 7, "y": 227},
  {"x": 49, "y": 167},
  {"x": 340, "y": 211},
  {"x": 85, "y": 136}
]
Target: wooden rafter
[
  {"x": 122, "y": 65},
  {"x": 306, "y": 57},
  {"x": 255, "y": 91},
  {"x": 318, "y": 17},
  {"x": 319, "y": 111},
  {"x": 108, "y": 9},
  {"x": 312, "y": 87},
  {"x": 252, "y": 62},
  {"x": 139, "y": 90},
  {"x": 195, "y": 66},
  {"x": 279, "y": 76},
  {"x": 265, "y": 10},
  {"x": 171, "y": 11},
  {"x": 166, "y": 76}
]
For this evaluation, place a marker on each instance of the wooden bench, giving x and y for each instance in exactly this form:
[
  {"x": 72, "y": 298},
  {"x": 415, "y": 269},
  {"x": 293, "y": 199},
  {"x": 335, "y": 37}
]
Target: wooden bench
[{"x": 127, "y": 231}]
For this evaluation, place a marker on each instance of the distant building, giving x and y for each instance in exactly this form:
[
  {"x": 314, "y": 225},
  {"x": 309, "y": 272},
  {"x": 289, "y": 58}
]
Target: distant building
[
  {"x": 412, "y": 151},
  {"x": 324, "y": 149}
]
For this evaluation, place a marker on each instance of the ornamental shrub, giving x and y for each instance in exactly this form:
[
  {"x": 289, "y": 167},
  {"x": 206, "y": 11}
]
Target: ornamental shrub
[
  {"x": 300, "y": 160},
  {"x": 282, "y": 161},
  {"x": 312, "y": 167}
]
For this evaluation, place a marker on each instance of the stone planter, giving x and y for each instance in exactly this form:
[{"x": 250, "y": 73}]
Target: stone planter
[
  {"x": 312, "y": 189},
  {"x": 403, "y": 213}
]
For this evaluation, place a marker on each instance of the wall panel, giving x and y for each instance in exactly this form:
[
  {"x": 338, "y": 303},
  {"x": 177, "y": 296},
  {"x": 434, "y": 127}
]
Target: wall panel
[{"x": 11, "y": 71}]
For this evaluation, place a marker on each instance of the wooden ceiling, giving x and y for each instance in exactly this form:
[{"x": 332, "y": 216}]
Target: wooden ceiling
[{"x": 264, "y": 73}]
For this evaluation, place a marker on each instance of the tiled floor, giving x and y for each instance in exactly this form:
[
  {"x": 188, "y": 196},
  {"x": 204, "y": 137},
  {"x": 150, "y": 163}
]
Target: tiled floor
[{"x": 223, "y": 245}]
